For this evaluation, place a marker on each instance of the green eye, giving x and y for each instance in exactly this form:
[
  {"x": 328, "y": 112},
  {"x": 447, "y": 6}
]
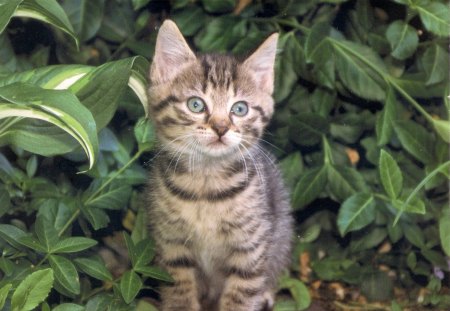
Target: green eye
[
  {"x": 196, "y": 104},
  {"x": 240, "y": 109}
]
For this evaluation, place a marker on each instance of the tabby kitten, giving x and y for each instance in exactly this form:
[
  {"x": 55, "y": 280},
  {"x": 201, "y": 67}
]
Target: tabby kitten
[{"x": 218, "y": 209}]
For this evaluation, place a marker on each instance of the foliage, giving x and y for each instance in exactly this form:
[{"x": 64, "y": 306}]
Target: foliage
[{"x": 361, "y": 128}]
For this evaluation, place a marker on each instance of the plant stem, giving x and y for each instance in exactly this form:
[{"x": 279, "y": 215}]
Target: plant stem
[{"x": 99, "y": 190}]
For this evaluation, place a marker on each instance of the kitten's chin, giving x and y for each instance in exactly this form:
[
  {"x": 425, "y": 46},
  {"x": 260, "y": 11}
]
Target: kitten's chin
[{"x": 218, "y": 149}]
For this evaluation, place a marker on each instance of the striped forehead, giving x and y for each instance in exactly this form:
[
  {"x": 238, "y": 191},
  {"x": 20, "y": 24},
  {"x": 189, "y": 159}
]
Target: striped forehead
[{"x": 219, "y": 72}]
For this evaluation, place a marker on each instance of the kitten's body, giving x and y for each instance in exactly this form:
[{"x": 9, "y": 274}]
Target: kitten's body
[{"x": 219, "y": 212}]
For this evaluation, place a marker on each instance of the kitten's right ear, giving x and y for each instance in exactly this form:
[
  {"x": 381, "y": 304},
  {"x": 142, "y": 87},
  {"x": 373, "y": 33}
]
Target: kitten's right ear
[{"x": 172, "y": 53}]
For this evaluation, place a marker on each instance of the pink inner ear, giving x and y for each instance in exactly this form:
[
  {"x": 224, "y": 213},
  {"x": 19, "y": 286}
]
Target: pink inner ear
[
  {"x": 172, "y": 53},
  {"x": 262, "y": 63}
]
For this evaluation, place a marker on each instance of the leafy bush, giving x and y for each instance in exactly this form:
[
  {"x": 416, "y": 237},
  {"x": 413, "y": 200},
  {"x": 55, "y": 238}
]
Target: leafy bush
[{"x": 361, "y": 130}]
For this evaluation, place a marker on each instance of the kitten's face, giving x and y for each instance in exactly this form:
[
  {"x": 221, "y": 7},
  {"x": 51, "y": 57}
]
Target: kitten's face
[{"x": 211, "y": 104}]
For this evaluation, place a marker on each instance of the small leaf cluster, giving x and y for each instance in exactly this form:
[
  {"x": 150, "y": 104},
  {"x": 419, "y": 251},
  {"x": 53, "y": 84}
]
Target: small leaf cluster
[{"x": 361, "y": 128}]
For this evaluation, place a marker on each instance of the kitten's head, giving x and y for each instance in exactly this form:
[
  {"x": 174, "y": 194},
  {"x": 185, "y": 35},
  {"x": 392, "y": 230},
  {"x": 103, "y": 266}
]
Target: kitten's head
[{"x": 210, "y": 104}]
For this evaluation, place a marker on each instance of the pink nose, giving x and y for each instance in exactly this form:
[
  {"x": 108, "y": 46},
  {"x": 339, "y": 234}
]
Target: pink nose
[{"x": 220, "y": 127}]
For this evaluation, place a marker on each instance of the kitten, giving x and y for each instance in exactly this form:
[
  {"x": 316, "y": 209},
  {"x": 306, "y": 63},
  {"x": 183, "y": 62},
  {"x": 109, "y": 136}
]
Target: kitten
[{"x": 219, "y": 212}]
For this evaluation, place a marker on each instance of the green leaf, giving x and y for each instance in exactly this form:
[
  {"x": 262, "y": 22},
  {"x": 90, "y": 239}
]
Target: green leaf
[
  {"x": 130, "y": 285},
  {"x": 403, "y": 39},
  {"x": 222, "y": 6},
  {"x": 144, "y": 132},
  {"x": 298, "y": 291},
  {"x": 415, "y": 139},
  {"x": 384, "y": 125},
  {"x": 444, "y": 231},
  {"x": 85, "y": 16},
  {"x": 131, "y": 248},
  {"x": 46, "y": 233},
  {"x": 292, "y": 168},
  {"x": 100, "y": 89},
  {"x": 11, "y": 234},
  {"x": 435, "y": 63},
  {"x": 345, "y": 181},
  {"x": 65, "y": 273},
  {"x": 221, "y": 34},
  {"x": 156, "y": 273},
  {"x": 356, "y": 212},
  {"x": 32, "y": 290},
  {"x": 5, "y": 200},
  {"x": 435, "y": 17},
  {"x": 309, "y": 187},
  {"x": 48, "y": 11},
  {"x": 68, "y": 307},
  {"x": 58, "y": 107},
  {"x": 413, "y": 205},
  {"x": 189, "y": 20},
  {"x": 414, "y": 234},
  {"x": 7, "y": 9},
  {"x": 145, "y": 251},
  {"x": 4, "y": 291},
  {"x": 33, "y": 243},
  {"x": 391, "y": 175},
  {"x": 307, "y": 129},
  {"x": 359, "y": 69},
  {"x": 94, "y": 268},
  {"x": 371, "y": 288},
  {"x": 316, "y": 45},
  {"x": 96, "y": 217},
  {"x": 115, "y": 196},
  {"x": 140, "y": 229},
  {"x": 442, "y": 127},
  {"x": 73, "y": 244}
]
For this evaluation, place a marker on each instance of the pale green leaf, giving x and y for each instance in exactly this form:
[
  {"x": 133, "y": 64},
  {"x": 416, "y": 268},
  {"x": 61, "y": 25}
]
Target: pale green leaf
[
  {"x": 46, "y": 233},
  {"x": 444, "y": 230},
  {"x": 391, "y": 175},
  {"x": 442, "y": 127},
  {"x": 32, "y": 290},
  {"x": 403, "y": 39},
  {"x": 7, "y": 9},
  {"x": 435, "y": 17},
  {"x": 4, "y": 291},
  {"x": 435, "y": 62},
  {"x": 68, "y": 307},
  {"x": 356, "y": 212},
  {"x": 298, "y": 291}
]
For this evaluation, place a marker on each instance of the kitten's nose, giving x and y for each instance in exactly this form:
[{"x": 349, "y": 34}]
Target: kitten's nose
[{"x": 220, "y": 127}]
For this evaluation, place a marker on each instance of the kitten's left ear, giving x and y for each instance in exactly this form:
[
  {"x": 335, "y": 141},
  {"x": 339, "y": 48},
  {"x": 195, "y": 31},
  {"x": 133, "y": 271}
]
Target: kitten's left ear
[{"x": 262, "y": 62}]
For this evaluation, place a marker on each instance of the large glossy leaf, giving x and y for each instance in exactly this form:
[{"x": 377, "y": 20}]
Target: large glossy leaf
[
  {"x": 7, "y": 9},
  {"x": 32, "y": 290},
  {"x": 356, "y": 212},
  {"x": 100, "y": 89},
  {"x": 57, "y": 107},
  {"x": 48, "y": 11},
  {"x": 391, "y": 175},
  {"x": 85, "y": 16},
  {"x": 65, "y": 273},
  {"x": 403, "y": 39}
]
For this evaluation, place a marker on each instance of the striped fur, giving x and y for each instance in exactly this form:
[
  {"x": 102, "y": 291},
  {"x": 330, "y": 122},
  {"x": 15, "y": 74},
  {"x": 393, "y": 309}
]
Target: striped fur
[{"x": 218, "y": 209}]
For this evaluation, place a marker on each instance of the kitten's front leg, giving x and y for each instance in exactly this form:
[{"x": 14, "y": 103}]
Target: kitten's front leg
[
  {"x": 244, "y": 293},
  {"x": 182, "y": 295}
]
